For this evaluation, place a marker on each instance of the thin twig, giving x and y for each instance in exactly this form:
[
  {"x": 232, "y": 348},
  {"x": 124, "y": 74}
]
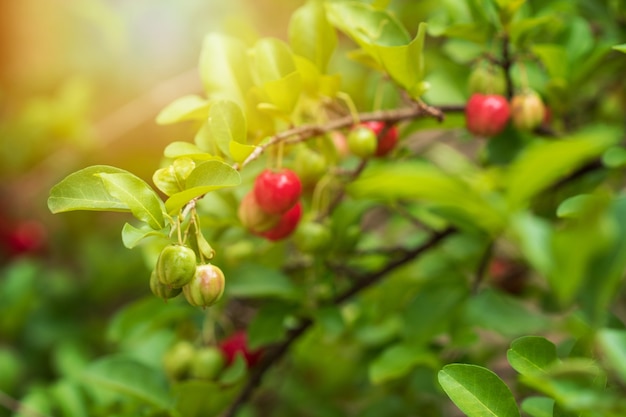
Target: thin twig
[{"x": 482, "y": 268}]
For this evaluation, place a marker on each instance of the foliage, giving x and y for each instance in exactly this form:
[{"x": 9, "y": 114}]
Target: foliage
[{"x": 412, "y": 275}]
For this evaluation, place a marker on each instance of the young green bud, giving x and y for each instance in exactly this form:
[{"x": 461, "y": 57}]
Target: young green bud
[
  {"x": 206, "y": 287},
  {"x": 176, "y": 265}
]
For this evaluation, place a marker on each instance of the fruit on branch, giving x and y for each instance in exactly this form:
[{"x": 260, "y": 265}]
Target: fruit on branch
[
  {"x": 237, "y": 344},
  {"x": 487, "y": 115},
  {"x": 206, "y": 287},
  {"x": 341, "y": 144},
  {"x": 386, "y": 134},
  {"x": 362, "y": 141},
  {"x": 207, "y": 363},
  {"x": 527, "y": 110},
  {"x": 176, "y": 265},
  {"x": 487, "y": 79},
  {"x": 177, "y": 360},
  {"x": 161, "y": 290},
  {"x": 277, "y": 191},
  {"x": 372, "y": 138},
  {"x": 253, "y": 217},
  {"x": 286, "y": 225}
]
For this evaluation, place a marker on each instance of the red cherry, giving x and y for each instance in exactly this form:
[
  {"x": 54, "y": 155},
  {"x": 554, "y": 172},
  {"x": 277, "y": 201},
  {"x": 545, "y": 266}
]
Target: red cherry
[
  {"x": 277, "y": 191},
  {"x": 237, "y": 343},
  {"x": 27, "y": 237},
  {"x": 487, "y": 114},
  {"x": 387, "y": 136},
  {"x": 286, "y": 225}
]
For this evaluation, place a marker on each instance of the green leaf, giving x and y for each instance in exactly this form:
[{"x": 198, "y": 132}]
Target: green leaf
[
  {"x": 70, "y": 398},
  {"x": 531, "y": 354},
  {"x": 276, "y": 73},
  {"x": 257, "y": 281},
  {"x": 197, "y": 398},
  {"x": 311, "y": 35},
  {"x": 538, "y": 406},
  {"x": 129, "y": 377},
  {"x": 613, "y": 344},
  {"x": 227, "y": 124},
  {"x": 223, "y": 66},
  {"x": 573, "y": 206},
  {"x": 543, "y": 163},
  {"x": 419, "y": 181},
  {"x": 190, "y": 107},
  {"x": 206, "y": 177},
  {"x": 240, "y": 152},
  {"x": 177, "y": 149},
  {"x": 397, "y": 361},
  {"x": 614, "y": 157},
  {"x": 504, "y": 314},
  {"x": 621, "y": 48},
  {"x": 132, "y": 236},
  {"x": 554, "y": 57},
  {"x": 384, "y": 38},
  {"x": 235, "y": 372},
  {"x": 142, "y": 200},
  {"x": 477, "y": 391},
  {"x": 85, "y": 190}
]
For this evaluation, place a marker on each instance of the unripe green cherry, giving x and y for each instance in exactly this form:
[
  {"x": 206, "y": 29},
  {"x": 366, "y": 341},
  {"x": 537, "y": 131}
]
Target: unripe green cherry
[
  {"x": 206, "y": 287},
  {"x": 362, "y": 141},
  {"x": 178, "y": 359},
  {"x": 487, "y": 80},
  {"x": 207, "y": 363},
  {"x": 312, "y": 236},
  {"x": 310, "y": 166},
  {"x": 176, "y": 265},
  {"x": 161, "y": 290}
]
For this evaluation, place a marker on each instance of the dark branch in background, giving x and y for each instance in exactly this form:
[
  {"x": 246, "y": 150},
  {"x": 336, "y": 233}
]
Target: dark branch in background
[
  {"x": 275, "y": 353},
  {"x": 506, "y": 65}
]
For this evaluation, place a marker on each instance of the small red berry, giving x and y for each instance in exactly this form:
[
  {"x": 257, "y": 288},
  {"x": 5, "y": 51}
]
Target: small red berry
[
  {"x": 277, "y": 191},
  {"x": 487, "y": 114},
  {"x": 286, "y": 225},
  {"x": 237, "y": 343}
]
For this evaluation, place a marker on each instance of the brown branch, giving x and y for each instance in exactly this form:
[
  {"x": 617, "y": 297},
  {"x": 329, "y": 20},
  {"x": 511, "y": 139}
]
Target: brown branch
[
  {"x": 275, "y": 353},
  {"x": 482, "y": 268},
  {"x": 506, "y": 65},
  {"x": 304, "y": 132}
]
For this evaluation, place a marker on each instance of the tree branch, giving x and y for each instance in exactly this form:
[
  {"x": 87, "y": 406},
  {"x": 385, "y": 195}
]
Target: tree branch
[{"x": 275, "y": 353}]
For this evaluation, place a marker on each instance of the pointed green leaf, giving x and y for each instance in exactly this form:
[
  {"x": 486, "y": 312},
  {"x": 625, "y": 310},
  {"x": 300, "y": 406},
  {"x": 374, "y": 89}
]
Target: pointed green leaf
[
  {"x": 311, "y": 35},
  {"x": 284, "y": 92},
  {"x": 224, "y": 68},
  {"x": 85, "y": 190},
  {"x": 544, "y": 163},
  {"x": 132, "y": 236},
  {"x": 572, "y": 207},
  {"x": 477, "y": 391},
  {"x": 621, "y": 48},
  {"x": 531, "y": 354},
  {"x": 190, "y": 107},
  {"x": 127, "y": 376},
  {"x": 206, "y": 177},
  {"x": 142, "y": 200},
  {"x": 226, "y": 124}
]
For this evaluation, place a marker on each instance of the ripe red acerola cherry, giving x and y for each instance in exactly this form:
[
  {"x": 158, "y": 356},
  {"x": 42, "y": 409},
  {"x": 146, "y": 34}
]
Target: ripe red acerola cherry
[
  {"x": 237, "y": 343},
  {"x": 286, "y": 225},
  {"x": 387, "y": 136},
  {"x": 487, "y": 114},
  {"x": 277, "y": 191}
]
